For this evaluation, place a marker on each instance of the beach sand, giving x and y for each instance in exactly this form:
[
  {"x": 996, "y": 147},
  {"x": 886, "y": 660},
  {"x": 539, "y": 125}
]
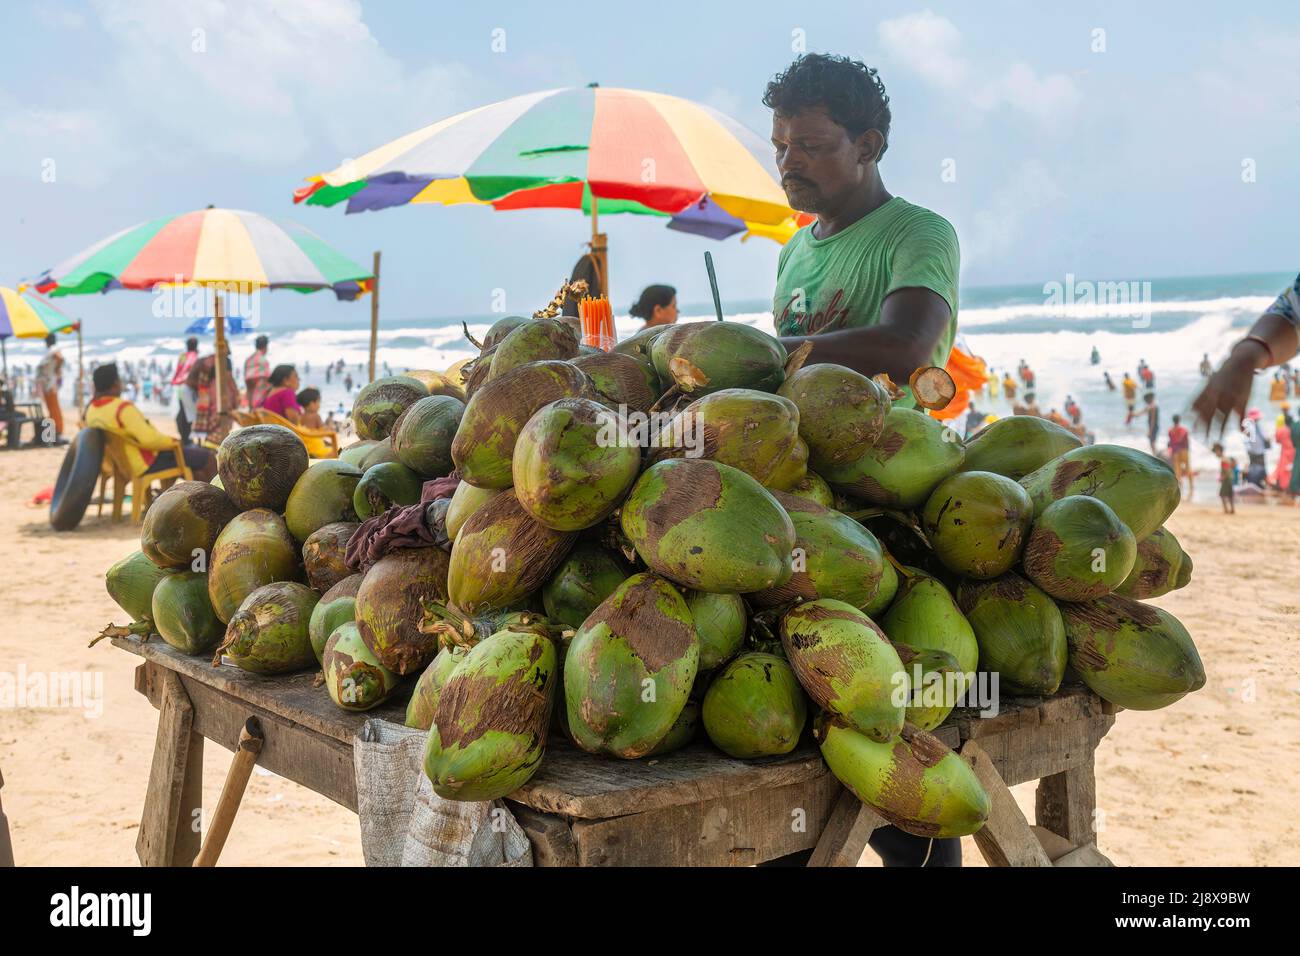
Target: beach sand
[{"x": 1207, "y": 781}]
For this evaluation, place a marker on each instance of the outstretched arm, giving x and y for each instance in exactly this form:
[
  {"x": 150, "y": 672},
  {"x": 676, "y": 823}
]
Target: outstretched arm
[
  {"x": 1272, "y": 340},
  {"x": 912, "y": 322}
]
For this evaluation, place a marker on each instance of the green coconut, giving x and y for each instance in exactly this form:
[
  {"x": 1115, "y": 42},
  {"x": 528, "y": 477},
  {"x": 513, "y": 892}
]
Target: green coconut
[
  {"x": 484, "y": 446},
  {"x": 534, "y": 341},
  {"x": 253, "y": 550},
  {"x": 502, "y": 555},
  {"x": 703, "y": 357},
  {"x": 381, "y": 403},
  {"x": 583, "y": 580},
  {"x": 746, "y": 429},
  {"x": 183, "y": 522},
  {"x": 324, "y": 554},
  {"x": 182, "y": 614},
  {"x": 629, "y": 668},
  {"x": 379, "y": 453},
  {"x": 639, "y": 344},
  {"x": 323, "y": 495},
  {"x": 977, "y": 523},
  {"x": 355, "y": 454},
  {"x": 131, "y": 583},
  {"x": 1161, "y": 566},
  {"x": 755, "y": 707},
  {"x": 833, "y": 557},
  {"x": 422, "y": 436},
  {"x": 721, "y": 621},
  {"x": 423, "y": 704},
  {"x": 354, "y": 678},
  {"x": 1018, "y": 444},
  {"x": 846, "y": 665},
  {"x": 682, "y": 732},
  {"x": 1020, "y": 632},
  {"x": 1079, "y": 549},
  {"x": 709, "y": 527},
  {"x": 925, "y": 617},
  {"x": 488, "y": 734},
  {"x": 885, "y": 593},
  {"x": 913, "y": 454},
  {"x": 1140, "y": 488},
  {"x": 814, "y": 488},
  {"x": 573, "y": 463},
  {"x": 933, "y": 679},
  {"x": 437, "y": 383},
  {"x": 390, "y": 606},
  {"x": 914, "y": 781},
  {"x": 499, "y": 329},
  {"x": 336, "y": 607},
  {"x": 259, "y": 466},
  {"x": 621, "y": 381},
  {"x": 792, "y": 470},
  {"x": 1133, "y": 655},
  {"x": 841, "y": 413},
  {"x": 464, "y": 502},
  {"x": 385, "y": 486},
  {"x": 268, "y": 634}
]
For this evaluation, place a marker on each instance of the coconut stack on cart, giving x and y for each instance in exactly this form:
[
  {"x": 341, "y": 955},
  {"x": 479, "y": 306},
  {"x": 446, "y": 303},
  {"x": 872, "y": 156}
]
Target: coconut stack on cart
[{"x": 691, "y": 535}]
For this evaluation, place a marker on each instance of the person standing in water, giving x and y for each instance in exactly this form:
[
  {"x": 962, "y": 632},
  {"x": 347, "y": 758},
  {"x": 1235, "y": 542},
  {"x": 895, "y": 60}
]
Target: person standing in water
[
  {"x": 1096, "y": 356},
  {"x": 1179, "y": 453},
  {"x": 657, "y": 305}
]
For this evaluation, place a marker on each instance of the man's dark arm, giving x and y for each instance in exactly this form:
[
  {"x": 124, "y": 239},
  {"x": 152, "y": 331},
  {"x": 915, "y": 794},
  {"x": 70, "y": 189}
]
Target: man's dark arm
[{"x": 912, "y": 321}]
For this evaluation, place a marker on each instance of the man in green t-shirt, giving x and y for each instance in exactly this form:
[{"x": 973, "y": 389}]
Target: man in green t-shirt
[{"x": 873, "y": 281}]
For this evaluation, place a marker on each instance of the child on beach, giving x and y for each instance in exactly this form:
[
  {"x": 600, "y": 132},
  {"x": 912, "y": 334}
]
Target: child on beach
[
  {"x": 1226, "y": 480},
  {"x": 309, "y": 399}
]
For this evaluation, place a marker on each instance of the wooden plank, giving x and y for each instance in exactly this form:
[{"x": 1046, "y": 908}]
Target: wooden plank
[
  {"x": 170, "y": 786},
  {"x": 1055, "y": 844},
  {"x": 317, "y": 761},
  {"x": 1030, "y": 753},
  {"x": 1005, "y": 839},
  {"x": 1084, "y": 856},
  {"x": 846, "y": 833},
  {"x": 1072, "y": 702},
  {"x": 1065, "y": 803},
  {"x": 737, "y": 830},
  {"x": 291, "y": 696},
  {"x": 551, "y": 837}
]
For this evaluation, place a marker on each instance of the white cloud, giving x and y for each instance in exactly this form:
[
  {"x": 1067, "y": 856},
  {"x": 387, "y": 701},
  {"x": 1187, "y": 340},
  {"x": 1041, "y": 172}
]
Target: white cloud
[
  {"x": 58, "y": 17},
  {"x": 930, "y": 46},
  {"x": 56, "y": 146}
]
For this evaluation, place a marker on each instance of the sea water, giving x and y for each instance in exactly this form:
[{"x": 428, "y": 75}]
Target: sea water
[{"x": 1175, "y": 322}]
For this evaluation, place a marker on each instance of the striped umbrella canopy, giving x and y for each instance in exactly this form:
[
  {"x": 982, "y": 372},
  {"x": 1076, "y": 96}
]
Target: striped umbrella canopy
[
  {"x": 28, "y": 316},
  {"x": 593, "y": 148},
  {"x": 226, "y": 248}
]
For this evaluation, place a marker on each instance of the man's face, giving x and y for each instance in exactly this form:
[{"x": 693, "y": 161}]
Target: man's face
[{"x": 820, "y": 165}]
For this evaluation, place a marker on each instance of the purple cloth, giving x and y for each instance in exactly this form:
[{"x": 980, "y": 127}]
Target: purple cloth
[{"x": 405, "y": 527}]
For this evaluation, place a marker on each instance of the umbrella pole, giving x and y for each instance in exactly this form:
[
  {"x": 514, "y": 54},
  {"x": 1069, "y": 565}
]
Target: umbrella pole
[
  {"x": 220, "y": 322},
  {"x": 374, "y": 317},
  {"x": 598, "y": 250},
  {"x": 81, "y": 372},
  {"x": 4, "y": 358}
]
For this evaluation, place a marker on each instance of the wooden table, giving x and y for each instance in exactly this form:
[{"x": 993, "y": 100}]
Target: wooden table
[{"x": 694, "y": 806}]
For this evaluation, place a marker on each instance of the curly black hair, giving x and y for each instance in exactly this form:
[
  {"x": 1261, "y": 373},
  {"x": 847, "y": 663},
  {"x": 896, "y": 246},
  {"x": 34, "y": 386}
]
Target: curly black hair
[{"x": 849, "y": 90}]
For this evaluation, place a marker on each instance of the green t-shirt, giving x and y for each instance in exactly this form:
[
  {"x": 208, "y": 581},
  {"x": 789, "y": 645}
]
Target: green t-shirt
[{"x": 823, "y": 285}]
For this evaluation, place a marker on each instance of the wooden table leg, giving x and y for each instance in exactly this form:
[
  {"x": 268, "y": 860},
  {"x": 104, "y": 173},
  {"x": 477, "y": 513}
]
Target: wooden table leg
[
  {"x": 1005, "y": 839},
  {"x": 169, "y": 826},
  {"x": 845, "y": 837},
  {"x": 1066, "y": 802}
]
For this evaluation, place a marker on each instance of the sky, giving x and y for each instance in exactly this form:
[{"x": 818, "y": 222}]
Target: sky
[{"x": 1111, "y": 141}]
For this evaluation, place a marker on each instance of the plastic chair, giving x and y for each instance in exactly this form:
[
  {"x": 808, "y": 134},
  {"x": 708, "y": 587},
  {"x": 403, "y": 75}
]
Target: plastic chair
[
  {"x": 320, "y": 442},
  {"x": 140, "y": 485}
]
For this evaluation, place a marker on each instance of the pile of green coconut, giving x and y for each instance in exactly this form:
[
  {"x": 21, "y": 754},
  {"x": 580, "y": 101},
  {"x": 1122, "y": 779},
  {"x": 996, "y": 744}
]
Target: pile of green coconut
[{"x": 690, "y": 540}]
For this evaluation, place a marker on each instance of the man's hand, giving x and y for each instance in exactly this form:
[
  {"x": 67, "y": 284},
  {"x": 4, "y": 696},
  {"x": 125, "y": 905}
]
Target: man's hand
[
  {"x": 912, "y": 321},
  {"x": 1228, "y": 390}
]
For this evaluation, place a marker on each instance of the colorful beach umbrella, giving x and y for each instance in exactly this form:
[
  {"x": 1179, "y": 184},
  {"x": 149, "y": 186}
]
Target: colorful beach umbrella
[
  {"x": 28, "y": 316},
  {"x": 597, "y": 149},
  {"x": 223, "y": 249}
]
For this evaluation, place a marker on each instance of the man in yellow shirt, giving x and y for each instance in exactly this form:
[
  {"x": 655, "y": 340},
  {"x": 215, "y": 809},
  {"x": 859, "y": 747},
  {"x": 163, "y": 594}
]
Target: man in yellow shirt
[{"x": 147, "y": 449}]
